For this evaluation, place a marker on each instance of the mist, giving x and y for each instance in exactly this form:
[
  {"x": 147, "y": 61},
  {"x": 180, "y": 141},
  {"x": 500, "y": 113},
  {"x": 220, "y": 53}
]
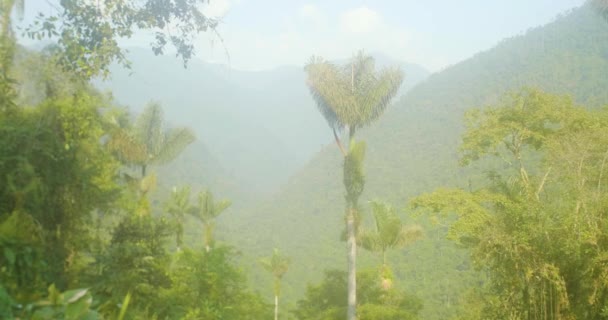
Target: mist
[{"x": 231, "y": 159}]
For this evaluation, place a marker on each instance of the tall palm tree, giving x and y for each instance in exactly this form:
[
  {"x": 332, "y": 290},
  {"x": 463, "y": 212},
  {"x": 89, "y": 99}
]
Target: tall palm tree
[
  {"x": 7, "y": 51},
  {"x": 351, "y": 97},
  {"x": 6, "y": 10},
  {"x": 278, "y": 265},
  {"x": 178, "y": 205},
  {"x": 388, "y": 233},
  {"x": 147, "y": 142},
  {"x": 206, "y": 211}
]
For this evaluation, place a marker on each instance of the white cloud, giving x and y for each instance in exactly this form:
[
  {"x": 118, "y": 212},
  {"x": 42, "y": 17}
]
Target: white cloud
[
  {"x": 312, "y": 31},
  {"x": 311, "y": 12},
  {"x": 217, "y": 8},
  {"x": 361, "y": 20}
]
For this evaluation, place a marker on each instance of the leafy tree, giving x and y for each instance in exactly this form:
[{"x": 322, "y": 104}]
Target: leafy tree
[
  {"x": 136, "y": 263},
  {"x": 207, "y": 210},
  {"x": 178, "y": 206},
  {"x": 351, "y": 96},
  {"x": 389, "y": 233},
  {"x": 208, "y": 285},
  {"x": 537, "y": 226},
  {"x": 59, "y": 174},
  {"x": 278, "y": 266},
  {"x": 147, "y": 143},
  {"x": 70, "y": 305},
  {"x": 326, "y": 300},
  {"x": 7, "y": 51},
  {"x": 88, "y": 32}
]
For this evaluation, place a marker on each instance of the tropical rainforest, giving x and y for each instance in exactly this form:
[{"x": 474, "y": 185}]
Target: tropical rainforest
[{"x": 136, "y": 185}]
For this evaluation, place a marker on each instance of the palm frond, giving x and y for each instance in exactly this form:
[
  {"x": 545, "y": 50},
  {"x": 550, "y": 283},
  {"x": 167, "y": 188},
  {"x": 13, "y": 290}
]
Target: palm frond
[
  {"x": 179, "y": 203},
  {"x": 353, "y": 95},
  {"x": 221, "y": 206},
  {"x": 389, "y": 231},
  {"x": 409, "y": 235},
  {"x": 173, "y": 144},
  {"x": 378, "y": 96},
  {"x": 127, "y": 148},
  {"x": 148, "y": 129},
  {"x": 277, "y": 264},
  {"x": 207, "y": 209},
  {"x": 324, "y": 84},
  {"x": 369, "y": 240}
]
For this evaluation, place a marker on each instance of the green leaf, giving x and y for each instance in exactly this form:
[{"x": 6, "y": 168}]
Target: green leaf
[
  {"x": 10, "y": 255},
  {"x": 72, "y": 296}
]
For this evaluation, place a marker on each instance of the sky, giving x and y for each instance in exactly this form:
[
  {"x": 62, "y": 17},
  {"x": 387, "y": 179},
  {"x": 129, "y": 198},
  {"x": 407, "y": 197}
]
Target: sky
[{"x": 265, "y": 34}]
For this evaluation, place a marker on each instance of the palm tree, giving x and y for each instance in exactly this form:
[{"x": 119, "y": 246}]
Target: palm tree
[
  {"x": 6, "y": 9},
  {"x": 7, "y": 51},
  {"x": 351, "y": 97},
  {"x": 206, "y": 211},
  {"x": 147, "y": 142},
  {"x": 278, "y": 265},
  {"x": 178, "y": 206},
  {"x": 389, "y": 233}
]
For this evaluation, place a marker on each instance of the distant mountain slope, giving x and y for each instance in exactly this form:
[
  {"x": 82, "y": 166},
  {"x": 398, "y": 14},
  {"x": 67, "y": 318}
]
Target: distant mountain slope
[
  {"x": 413, "y": 149},
  {"x": 261, "y": 126}
]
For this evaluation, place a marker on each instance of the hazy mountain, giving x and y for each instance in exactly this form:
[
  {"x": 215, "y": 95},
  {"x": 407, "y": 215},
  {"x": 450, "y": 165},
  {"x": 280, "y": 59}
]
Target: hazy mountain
[
  {"x": 413, "y": 149},
  {"x": 260, "y": 126}
]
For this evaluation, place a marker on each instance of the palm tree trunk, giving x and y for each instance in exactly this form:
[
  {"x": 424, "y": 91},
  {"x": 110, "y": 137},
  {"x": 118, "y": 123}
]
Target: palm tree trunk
[
  {"x": 276, "y": 307},
  {"x": 352, "y": 265}
]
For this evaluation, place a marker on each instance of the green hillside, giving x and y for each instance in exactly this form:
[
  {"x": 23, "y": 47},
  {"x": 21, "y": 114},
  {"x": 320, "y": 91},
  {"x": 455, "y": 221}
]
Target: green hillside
[{"x": 413, "y": 149}]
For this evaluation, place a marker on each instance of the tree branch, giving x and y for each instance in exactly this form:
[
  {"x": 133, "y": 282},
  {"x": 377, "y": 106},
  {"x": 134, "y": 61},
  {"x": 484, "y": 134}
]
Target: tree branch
[{"x": 339, "y": 143}]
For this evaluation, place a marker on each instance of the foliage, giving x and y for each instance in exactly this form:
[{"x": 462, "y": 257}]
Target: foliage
[
  {"x": 58, "y": 174},
  {"x": 70, "y": 305},
  {"x": 389, "y": 232},
  {"x": 538, "y": 226},
  {"x": 178, "y": 205},
  {"x": 207, "y": 210},
  {"x": 278, "y": 265},
  {"x": 327, "y": 300},
  {"x": 88, "y": 32},
  {"x": 207, "y": 285},
  {"x": 353, "y": 95},
  {"x": 135, "y": 262},
  {"x": 147, "y": 142}
]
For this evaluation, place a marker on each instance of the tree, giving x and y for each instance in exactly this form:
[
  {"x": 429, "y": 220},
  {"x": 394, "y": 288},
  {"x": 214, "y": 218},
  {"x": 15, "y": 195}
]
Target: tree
[
  {"x": 537, "y": 225},
  {"x": 57, "y": 174},
  {"x": 147, "y": 143},
  {"x": 88, "y": 32},
  {"x": 351, "y": 96},
  {"x": 178, "y": 206},
  {"x": 326, "y": 300},
  {"x": 389, "y": 233},
  {"x": 207, "y": 210},
  {"x": 7, "y": 51},
  {"x": 210, "y": 285},
  {"x": 278, "y": 266}
]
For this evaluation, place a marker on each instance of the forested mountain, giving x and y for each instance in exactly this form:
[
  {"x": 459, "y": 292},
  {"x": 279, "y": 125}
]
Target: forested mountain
[
  {"x": 260, "y": 125},
  {"x": 413, "y": 149}
]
